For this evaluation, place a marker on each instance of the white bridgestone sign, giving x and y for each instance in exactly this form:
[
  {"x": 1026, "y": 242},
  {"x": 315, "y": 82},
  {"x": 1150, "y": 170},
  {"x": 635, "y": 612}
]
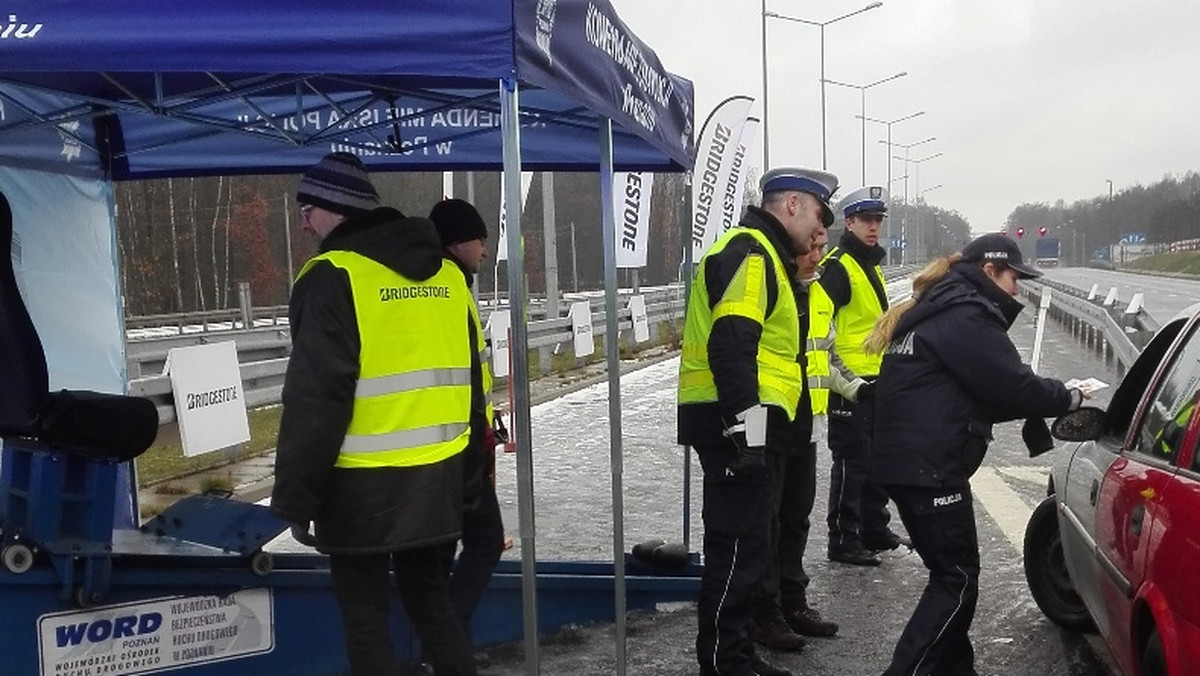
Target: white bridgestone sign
[{"x": 209, "y": 403}]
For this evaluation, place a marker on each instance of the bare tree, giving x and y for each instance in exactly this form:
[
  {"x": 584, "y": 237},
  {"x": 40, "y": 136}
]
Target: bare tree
[{"x": 174, "y": 245}]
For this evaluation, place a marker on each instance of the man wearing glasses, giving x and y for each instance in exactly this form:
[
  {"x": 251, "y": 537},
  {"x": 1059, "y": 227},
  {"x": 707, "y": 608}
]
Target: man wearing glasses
[
  {"x": 858, "y": 516},
  {"x": 381, "y": 391}
]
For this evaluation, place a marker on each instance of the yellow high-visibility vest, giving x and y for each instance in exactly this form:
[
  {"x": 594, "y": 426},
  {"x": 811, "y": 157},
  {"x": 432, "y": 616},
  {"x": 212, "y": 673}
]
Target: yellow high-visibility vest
[
  {"x": 412, "y": 402},
  {"x": 779, "y": 372},
  {"x": 485, "y": 363},
  {"x": 820, "y": 320},
  {"x": 854, "y": 321}
]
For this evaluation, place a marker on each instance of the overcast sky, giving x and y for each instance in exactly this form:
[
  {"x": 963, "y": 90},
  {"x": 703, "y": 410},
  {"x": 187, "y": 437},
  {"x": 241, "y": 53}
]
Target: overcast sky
[{"x": 1030, "y": 100}]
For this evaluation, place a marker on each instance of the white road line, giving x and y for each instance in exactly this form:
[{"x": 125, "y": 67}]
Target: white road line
[
  {"x": 1037, "y": 476},
  {"x": 1005, "y": 506}
]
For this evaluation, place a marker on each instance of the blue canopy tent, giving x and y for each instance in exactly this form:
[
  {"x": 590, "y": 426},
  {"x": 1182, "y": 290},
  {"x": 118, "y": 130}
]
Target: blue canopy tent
[{"x": 93, "y": 92}]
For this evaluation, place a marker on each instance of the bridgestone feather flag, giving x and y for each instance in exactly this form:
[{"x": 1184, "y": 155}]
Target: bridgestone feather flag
[
  {"x": 719, "y": 139},
  {"x": 735, "y": 188},
  {"x": 631, "y": 204}
]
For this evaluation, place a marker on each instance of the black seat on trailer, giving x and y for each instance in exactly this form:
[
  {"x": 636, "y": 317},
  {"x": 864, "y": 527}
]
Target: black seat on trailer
[
  {"x": 25, "y": 387},
  {"x": 91, "y": 424}
]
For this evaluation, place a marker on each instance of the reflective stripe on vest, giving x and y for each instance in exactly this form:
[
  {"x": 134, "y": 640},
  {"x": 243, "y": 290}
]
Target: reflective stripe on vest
[
  {"x": 412, "y": 401},
  {"x": 485, "y": 363},
  {"x": 855, "y": 320},
  {"x": 779, "y": 371},
  {"x": 820, "y": 319}
]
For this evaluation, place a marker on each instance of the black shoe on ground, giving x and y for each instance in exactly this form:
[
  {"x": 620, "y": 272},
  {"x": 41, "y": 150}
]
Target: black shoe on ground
[
  {"x": 855, "y": 556},
  {"x": 808, "y": 622},
  {"x": 886, "y": 542},
  {"x": 760, "y": 668},
  {"x": 772, "y": 631}
]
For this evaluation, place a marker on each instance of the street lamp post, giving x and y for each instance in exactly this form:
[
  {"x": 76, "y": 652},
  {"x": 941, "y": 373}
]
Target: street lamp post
[
  {"x": 888, "y": 124},
  {"x": 917, "y": 179},
  {"x": 821, "y": 25},
  {"x": 862, "y": 90}
]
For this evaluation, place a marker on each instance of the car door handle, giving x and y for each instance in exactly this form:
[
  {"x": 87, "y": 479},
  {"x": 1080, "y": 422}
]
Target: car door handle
[
  {"x": 1135, "y": 519},
  {"x": 1095, "y": 490}
]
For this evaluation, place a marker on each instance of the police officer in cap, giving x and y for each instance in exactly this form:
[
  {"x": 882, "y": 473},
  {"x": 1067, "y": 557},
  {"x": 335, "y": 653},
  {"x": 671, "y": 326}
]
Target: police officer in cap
[
  {"x": 949, "y": 373},
  {"x": 852, "y": 279},
  {"x": 740, "y": 383}
]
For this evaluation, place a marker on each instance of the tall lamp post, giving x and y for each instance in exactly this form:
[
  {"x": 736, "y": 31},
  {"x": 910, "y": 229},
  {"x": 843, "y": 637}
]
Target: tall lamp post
[
  {"x": 862, "y": 90},
  {"x": 821, "y": 25},
  {"x": 917, "y": 189},
  {"x": 888, "y": 124}
]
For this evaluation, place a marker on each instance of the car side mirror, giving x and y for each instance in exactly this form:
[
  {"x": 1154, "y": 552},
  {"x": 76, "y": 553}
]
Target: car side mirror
[{"x": 1083, "y": 424}]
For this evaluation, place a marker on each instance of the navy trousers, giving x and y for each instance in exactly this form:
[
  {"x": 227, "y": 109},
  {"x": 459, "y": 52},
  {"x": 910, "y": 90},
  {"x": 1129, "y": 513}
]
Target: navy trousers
[
  {"x": 941, "y": 523},
  {"x": 857, "y": 508},
  {"x": 737, "y": 537}
]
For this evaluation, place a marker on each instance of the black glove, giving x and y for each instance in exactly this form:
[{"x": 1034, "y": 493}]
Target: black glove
[
  {"x": 1037, "y": 437},
  {"x": 499, "y": 430},
  {"x": 301, "y": 533},
  {"x": 749, "y": 459},
  {"x": 866, "y": 391}
]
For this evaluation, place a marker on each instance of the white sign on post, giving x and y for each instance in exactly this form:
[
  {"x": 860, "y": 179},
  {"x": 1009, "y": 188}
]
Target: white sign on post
[
  {"x": 581, "y": 326},
  {"x": 209, "y": 403},
  {"x": 641, "y": 324},
  {"x": 498, "y": 332}
]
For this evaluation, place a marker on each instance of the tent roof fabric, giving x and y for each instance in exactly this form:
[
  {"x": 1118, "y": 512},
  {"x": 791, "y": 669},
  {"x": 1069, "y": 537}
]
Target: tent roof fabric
[{"x": 150, "y": 88}]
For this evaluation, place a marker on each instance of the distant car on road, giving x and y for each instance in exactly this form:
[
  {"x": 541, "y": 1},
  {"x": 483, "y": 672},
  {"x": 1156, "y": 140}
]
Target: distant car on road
[{"x": 1116, "y": 545}]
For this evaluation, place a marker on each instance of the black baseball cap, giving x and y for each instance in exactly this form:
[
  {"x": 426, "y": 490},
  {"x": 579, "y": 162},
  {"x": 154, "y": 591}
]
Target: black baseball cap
[{"x": 997, "y": 248}]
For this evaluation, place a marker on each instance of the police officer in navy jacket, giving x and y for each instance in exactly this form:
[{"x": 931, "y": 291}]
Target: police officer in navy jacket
[{"x": 949, "y": 373}]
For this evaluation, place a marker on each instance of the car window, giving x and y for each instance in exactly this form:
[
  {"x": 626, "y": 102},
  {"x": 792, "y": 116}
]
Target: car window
[
  {"x": 1128, "y": 395},
  {"x": 1166, "y": 419}
]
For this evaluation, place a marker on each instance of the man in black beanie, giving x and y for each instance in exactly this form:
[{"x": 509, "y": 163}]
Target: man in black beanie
[
  {"x": 383, "y": 351},
  {"x": 464, "y": 236}
]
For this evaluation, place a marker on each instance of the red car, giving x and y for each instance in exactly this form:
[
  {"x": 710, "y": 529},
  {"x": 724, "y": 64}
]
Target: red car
[{"x": 1116, "y": 545}]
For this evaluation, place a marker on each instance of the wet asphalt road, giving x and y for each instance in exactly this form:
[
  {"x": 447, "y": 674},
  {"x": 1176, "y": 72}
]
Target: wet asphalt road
[{"x": 573, "y": 521}]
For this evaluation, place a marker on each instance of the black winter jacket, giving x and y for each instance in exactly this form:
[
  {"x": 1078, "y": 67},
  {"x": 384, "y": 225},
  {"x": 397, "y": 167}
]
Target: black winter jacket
[
  {"x": 355, "y": 510},
  {"x": 733, "y": 342},
  {"x": 950, "y": 373}
]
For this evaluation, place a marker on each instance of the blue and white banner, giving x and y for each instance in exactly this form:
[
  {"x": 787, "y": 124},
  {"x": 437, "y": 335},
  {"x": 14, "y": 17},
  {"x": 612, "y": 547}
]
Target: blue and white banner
[
  {"x": 715, "y": 153},
  {"x": 735, "y": 187},
  {"x": 631, "y": 204}
]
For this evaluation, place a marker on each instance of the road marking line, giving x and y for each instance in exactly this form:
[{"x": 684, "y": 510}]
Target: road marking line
[
  {"x": 1005, "y": 506},
  {"x": 1037, "y": 476}
]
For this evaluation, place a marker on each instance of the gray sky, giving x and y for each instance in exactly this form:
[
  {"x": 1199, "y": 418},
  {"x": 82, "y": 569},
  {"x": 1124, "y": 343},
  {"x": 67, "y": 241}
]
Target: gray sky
[{"x": 1030, "y": 100}]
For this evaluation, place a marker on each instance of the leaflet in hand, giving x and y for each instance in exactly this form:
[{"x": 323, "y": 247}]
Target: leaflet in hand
[{"x": 1087, "y": 385}]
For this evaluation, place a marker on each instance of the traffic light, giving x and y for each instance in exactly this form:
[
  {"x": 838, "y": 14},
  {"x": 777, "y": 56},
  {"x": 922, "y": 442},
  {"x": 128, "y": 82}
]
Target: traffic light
[
  {"x": 1020, "y": 232},
  {"x": 1042, "y": 231},
  {"x": 1004, "y": 230}
]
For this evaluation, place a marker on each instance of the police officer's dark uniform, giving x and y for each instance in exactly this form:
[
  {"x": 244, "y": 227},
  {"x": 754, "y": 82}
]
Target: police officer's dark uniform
[
  {"x": 740, "y": 385},
  {"x": 950, "y": 371},
  {"x": 853, "y": 281}
]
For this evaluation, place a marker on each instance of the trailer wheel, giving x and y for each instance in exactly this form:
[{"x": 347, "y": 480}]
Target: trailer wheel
[
  {"x": 262, "y": 563},
  {"x": 17, "y": 558}
]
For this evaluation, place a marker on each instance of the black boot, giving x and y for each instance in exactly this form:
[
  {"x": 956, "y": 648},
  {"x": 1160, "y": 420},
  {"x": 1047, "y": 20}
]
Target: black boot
[
  {"x": 807, "y": 621},
  {"x": 770, "y": 630}
]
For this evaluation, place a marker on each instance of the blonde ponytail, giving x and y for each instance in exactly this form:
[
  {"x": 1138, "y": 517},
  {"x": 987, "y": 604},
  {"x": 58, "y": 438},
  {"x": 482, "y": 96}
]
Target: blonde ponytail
[{"x": 881, "y": 335}]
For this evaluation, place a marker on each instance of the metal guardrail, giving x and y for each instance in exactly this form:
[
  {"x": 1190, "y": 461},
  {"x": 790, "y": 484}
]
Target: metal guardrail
[
  {"x": 1124, "y": 332},
  {"x": 263, "y": 352}
]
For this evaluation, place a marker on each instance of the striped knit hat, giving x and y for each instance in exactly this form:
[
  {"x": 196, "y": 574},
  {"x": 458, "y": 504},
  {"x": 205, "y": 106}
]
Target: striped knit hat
[{"x": 338, "y": 183}]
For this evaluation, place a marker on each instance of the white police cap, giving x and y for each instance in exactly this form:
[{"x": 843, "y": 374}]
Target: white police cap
[
  {"x": 819, "y": 184},
  {"x": 871, "y": 199}
]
